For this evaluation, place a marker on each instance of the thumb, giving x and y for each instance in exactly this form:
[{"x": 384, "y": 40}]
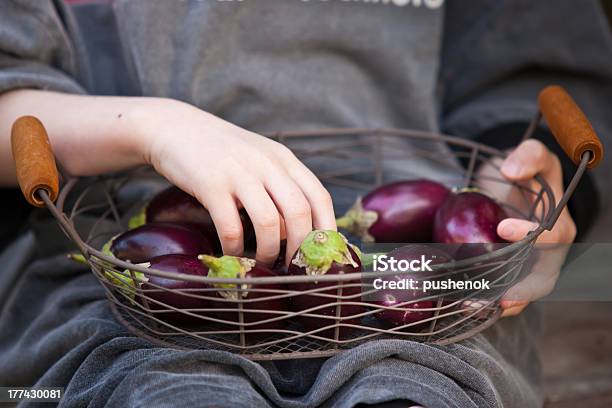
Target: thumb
[{"x": 515, "y": 229}]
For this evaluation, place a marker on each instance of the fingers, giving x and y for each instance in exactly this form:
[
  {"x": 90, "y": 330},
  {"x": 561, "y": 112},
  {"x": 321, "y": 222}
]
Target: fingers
[
  {"x": 294, "y": 207},
  {"x": 318, "y": 197},
  {"x": 513, "y": 308},
  {"x": 528, "y": 159},
  {"x": 265, "y": 218},
  {"x": 225, "y": 216},
  {"x": 542, "y": 277},
  {"x": 320, "y": 200},
  {"x": 539, "y": 282},
  {"x": 515, "y": 229},
  {"x": 314, "y": 198},
  {"x": 281, "y": 196}
]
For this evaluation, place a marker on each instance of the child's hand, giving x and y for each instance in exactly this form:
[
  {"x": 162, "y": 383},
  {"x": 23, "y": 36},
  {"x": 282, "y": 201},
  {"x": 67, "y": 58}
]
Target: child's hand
[
  {"x": 226, "y": 167},
  {"x": 528, "y": 159},
  {"x": 222, "y": 165}
]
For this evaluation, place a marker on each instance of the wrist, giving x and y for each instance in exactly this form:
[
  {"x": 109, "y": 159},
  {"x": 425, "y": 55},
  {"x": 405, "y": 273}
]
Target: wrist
[{"x": 147, "y": 120}]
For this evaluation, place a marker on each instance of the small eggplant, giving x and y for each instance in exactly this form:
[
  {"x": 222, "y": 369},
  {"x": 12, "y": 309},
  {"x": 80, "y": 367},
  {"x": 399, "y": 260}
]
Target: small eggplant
[
  {"x": 468, "y": 217},
  {"x": 141, "y": 244},
  {"x": 397, "y": 298},
  {"x": 232, "y": 267},
  {"x": 325, "y": 253},
  {"x": 162, "y": 289},
  {"x": 150, "y": 240},
  {"x": 176, "y": 206},
  {"x": 398, "y": 212},
  {"x": 177, "y": 263}
]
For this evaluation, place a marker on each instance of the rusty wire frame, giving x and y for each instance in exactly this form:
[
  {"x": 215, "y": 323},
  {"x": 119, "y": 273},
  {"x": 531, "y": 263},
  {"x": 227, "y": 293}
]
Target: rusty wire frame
[{"x": 278, "y": 333}]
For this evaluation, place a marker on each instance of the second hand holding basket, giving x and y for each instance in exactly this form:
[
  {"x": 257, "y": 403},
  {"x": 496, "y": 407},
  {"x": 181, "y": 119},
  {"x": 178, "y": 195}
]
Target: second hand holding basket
[{"x": 452, "y": 319}]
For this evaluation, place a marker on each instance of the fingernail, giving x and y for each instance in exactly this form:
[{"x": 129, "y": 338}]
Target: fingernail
[
  {"x": 512, "y": 167},
  {"x": 510, "y": 312},
  {"x": 507, "y": 230},
  {"x": 514, "y": 310},
  {"x": 511, "y": 304}
]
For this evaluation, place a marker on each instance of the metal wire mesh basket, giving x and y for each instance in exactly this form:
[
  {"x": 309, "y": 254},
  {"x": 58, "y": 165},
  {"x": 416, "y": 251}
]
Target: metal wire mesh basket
[{"x": 244, "y": 322}]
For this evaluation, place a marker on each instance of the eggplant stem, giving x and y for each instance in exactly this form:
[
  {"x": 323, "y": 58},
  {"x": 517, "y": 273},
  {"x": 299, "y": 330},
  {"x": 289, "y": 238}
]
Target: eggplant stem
[
  {"x": 345, "y": 222},
  {"x": 210, "y": 261},
  {"x": 78, "y": 258},
  {"x": 368, "y": 259}
]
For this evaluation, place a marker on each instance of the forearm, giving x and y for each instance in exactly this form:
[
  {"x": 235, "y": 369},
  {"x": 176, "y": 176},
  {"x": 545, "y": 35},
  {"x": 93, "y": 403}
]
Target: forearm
[{"x": 89, "y": 134}]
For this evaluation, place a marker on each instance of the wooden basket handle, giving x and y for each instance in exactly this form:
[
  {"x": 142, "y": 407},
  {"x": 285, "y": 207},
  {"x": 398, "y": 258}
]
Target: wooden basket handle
[
  {"x": 569, "y": 125},
  {"x": 34, "y": 160}
]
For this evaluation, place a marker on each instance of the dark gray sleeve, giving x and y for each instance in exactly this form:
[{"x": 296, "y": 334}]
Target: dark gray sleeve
[
  {"x": 35, "y": 48},
  {"x": 497, "y": 55}
]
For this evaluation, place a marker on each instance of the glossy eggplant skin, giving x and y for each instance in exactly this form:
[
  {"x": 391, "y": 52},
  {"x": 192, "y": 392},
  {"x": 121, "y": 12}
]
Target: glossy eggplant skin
[
  {"x": 406, "y": 210},
  {"x": 399, "y": 212},
  {"x": 255, "y": 311},
  {"x": 177, "y": 263},
  {"x": 176, "y": 206},
  {"x": 401, "y": 316},
  {"x": 468, "y": 218},
  {"x": 394, "y": 298},
  {"x": 151, "y": 240},
  {"x": 302, "y": 302}
]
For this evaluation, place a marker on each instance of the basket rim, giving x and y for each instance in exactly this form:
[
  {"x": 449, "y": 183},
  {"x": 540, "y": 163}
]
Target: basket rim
[
  {"x": 294, "y": 279},
  {"x": 287, "y": 279}
]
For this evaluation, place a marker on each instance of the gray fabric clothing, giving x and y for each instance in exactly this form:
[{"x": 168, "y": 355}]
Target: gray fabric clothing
[
  {"x": 311, "y": 64},
  {"x": 497, "y": 56},
  {"x": 36, "y": 50},
  {"x": 290, "y": 64}
]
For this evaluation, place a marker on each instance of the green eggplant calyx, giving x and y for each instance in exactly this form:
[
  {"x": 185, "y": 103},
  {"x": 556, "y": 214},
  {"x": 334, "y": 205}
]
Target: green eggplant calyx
[
  {"x": 127, "y": 282},
  {"x": 469, "y": 189},
  {"x": 122, "y": 280},
  {"x": 106, "y": 248},
  {"x": 321, "y": 249},
  {"x": 358, "y": 221},
  {"x": 138, "y": 219},
  {"x": 367, "y": 260},
  {"x": 228, "y": 267}
]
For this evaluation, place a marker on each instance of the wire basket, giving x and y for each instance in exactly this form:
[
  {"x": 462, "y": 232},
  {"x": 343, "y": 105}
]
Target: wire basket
[{"x": 356, "y": 161}]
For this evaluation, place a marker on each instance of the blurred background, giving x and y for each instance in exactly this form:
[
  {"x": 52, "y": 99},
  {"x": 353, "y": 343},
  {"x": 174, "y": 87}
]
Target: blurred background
[{"x": 576, "y": 348}]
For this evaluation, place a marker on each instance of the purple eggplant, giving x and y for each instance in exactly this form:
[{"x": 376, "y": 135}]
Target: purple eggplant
[
  {"x": 150, "y": 240},
  {"x": 398, "y": 297},
  {"x": 162, "y": 289},
  {"x": 325, "y": 253},
  {"x": 468, "y": 217},
  {"x": 232, "y": 267},
  {"x": 176, "y": 206},
  {"x": 467, "y": 251},
  {"x": 279, "y": 266},
  {"x": 398, "y": 212}
]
